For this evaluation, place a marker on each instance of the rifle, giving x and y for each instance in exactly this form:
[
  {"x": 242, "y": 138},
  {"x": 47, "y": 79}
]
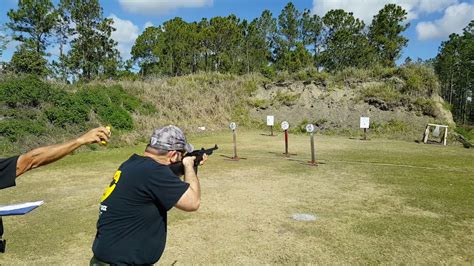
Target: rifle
[{"x": 178, "y": 168}]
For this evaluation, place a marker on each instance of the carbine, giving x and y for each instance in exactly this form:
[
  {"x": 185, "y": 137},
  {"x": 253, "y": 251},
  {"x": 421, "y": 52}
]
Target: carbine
[{"x": 178, "y": 168}]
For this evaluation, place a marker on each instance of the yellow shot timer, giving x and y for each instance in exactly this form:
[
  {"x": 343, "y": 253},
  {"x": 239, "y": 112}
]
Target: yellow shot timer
[{"x": 103, "y": 142}]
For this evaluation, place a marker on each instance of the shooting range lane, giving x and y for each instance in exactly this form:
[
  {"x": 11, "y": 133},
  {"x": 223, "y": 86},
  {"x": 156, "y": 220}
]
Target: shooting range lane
[
  {"x": 324, "y": 160},
  {"x": 247, "y": 205},
  {"x": 326, "y": 157}
]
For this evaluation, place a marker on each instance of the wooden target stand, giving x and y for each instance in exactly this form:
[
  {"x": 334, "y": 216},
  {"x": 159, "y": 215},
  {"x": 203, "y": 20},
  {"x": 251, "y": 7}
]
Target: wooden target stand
[
  {"x": 437, "y": 128},
  {"x": 310, "y": 128},
  {"x": 235, "y": 157}
]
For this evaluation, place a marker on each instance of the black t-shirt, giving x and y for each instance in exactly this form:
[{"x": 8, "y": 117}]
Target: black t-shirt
[
  {"x": 8, "y": 172},
  {"x": 132, "y": 222}
]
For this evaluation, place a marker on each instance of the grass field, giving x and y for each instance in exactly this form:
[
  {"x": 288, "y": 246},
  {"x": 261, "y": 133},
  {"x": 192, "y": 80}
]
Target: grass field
[{"x": 377, "y": 201}]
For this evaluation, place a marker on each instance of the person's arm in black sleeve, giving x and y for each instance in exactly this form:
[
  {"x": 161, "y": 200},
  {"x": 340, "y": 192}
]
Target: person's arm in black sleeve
[
  {"x": 166, "y": 188},
  {"x": 8, "y": 172},
  {"x": 45, "y": 155}
]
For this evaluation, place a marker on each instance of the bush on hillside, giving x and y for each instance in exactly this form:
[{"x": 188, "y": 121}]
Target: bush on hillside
[
  {"x": 26, "y": 90},
  {"x": 269, "y": 72},
  {"x": 33, "y": 107},
  {"x": 15, "y": 129},
  {"x": 420, "y": 80},
  {"x": 426, "y": 106},
  {"x": 352, "y": 73},
  {"x": 66, "y": 109},
  {"x": 285, "y": 98},
  {"x": 117, "y": 117},
  {"x": 384, "y": 92}
]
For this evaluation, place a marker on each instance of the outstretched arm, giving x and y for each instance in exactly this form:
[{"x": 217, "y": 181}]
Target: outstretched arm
[{"x": 48, "y": 154}]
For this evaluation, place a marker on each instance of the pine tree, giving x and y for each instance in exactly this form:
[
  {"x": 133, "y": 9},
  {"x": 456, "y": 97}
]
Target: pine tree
[
  {"x": 32, "y": 25},
  {"x": 385, "y": 33},
  {"x": 345, "y": 44},
  {"x": 93, "y": 52}
]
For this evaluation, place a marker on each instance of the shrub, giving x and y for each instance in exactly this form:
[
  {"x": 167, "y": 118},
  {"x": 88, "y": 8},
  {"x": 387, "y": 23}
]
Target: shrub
[
  {"x": 385, "y": 92},
  {"x": 419, "y": 80},
  {"x": 93, "y": 96},
  {"x": 352, "y": 73},
  {"x": 25, "y": 90},
  {"x": 426, "y": 106},
  {"x": 67, "y": 109},
  {"x": 269, "y": 72},
  {"x": 115, "y": 116},
  {"x": 15, "y": 129},
  {"x": 380, "y": 72},
  {"x": 285, "y": 98},
  {"x": 113, "y": 104}
]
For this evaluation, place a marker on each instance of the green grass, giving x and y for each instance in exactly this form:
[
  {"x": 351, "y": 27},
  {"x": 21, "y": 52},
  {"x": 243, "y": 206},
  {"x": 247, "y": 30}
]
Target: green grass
[{"x": 377, "y": 201}]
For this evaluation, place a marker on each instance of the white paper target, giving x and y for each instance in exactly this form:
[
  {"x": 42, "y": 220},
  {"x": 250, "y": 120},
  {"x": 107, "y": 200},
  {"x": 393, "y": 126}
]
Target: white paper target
[
  {"x": 270, "y": 120},
  {"x": 364, "y": 122},
  {"x": 285, "y": 125},
  {"x": 233, "y": 126},
  {"x": 309, "y": 128}
]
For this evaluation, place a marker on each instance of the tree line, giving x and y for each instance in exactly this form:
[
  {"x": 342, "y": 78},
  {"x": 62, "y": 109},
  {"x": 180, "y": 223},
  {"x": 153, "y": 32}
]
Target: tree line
[
  {"x": 292, "y": 41},
  {"x": 454, "y": 66}
]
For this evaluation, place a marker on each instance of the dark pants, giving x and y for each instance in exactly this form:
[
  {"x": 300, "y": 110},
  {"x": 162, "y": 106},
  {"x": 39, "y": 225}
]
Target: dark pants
[{"x": 96, "y": 262}]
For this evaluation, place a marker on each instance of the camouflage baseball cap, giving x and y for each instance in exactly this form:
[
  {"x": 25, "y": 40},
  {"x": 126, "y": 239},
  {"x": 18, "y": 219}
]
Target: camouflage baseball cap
[{"x": 170, "y": 138}]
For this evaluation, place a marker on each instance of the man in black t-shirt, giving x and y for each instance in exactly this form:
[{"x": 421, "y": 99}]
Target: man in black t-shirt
[
  {"x": 11, "y": 168},
  {"x": 132, "y": 223}
]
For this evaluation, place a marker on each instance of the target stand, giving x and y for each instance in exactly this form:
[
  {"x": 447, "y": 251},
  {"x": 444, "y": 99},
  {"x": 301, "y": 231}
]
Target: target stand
[{"x": 435, "y": 131}]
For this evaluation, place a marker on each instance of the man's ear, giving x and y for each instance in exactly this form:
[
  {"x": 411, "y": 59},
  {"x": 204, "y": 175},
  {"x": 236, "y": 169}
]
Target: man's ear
[{"x": 172, "y": 155}]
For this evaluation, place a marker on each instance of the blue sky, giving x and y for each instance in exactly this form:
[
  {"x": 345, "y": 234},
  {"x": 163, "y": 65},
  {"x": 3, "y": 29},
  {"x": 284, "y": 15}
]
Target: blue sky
[{"x": 431, "y": 21}]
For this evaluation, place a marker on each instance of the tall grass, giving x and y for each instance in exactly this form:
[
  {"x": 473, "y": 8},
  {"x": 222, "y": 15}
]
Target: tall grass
[{"x": 208, "y": 100}]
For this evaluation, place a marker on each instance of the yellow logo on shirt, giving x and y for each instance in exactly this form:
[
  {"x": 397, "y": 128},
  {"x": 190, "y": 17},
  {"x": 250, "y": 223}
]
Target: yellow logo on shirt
[{"x": 112, "y": 185}]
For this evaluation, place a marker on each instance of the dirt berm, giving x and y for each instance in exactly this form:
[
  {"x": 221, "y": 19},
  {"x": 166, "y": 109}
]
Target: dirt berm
[{"x": 339, "y": 108}]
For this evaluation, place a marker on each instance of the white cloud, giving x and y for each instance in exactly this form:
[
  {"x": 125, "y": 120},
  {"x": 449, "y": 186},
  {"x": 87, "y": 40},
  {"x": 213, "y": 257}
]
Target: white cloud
[
  {"x": 430, "y": 6},
  {"x": 147, "y": 24},
  {"x": 125, "y": 35},
  {"x": 455, "y": 18},
  {"x": 367, "y": 9},
  {"x": 157, "y": 7}
]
